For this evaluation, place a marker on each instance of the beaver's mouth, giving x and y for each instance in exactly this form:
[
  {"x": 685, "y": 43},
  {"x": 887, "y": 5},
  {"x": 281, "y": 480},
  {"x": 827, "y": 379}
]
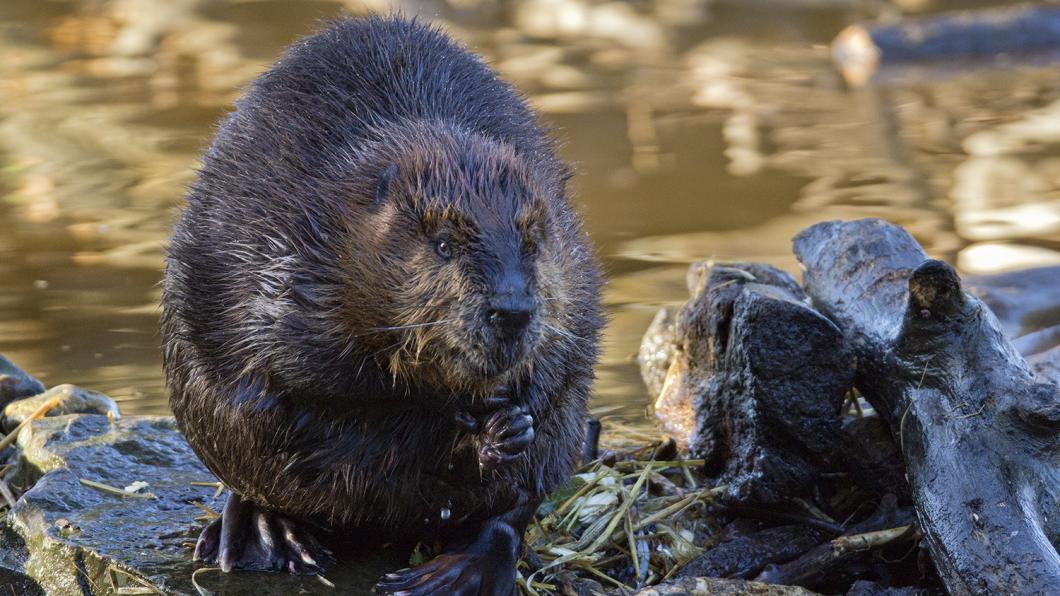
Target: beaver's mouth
[{"x": 489, "y": 357}]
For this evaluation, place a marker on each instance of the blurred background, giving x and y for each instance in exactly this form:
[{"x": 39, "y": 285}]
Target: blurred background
[{"x": 699, "y": 128}]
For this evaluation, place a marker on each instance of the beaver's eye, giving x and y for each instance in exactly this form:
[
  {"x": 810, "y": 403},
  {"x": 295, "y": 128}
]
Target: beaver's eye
[{"x": 443, "y": 248}]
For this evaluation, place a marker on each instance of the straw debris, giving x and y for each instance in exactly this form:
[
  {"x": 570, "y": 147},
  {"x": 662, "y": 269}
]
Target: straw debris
[{"x": 624, "y": 525}]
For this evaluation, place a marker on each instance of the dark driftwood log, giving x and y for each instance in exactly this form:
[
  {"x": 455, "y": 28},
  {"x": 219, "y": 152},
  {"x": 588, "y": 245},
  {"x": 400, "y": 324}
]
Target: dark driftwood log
[
  {"x": 977, "y": 429},
  {"x": 711, "y": 586},
  {"x": 867, "y": 588},
  {"x": 744, "y": 556},
  {"x": 818, "y": 566},
  {"x": 871, "y": 458},
  {"x": 766, "y": 376}
]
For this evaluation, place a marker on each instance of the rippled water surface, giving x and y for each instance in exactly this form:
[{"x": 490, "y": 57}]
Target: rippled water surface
[{"x": 700, "y": 130}]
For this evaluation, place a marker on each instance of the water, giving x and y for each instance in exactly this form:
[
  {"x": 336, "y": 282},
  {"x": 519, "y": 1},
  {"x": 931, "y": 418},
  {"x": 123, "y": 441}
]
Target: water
[{"x": 699, "y": 130}]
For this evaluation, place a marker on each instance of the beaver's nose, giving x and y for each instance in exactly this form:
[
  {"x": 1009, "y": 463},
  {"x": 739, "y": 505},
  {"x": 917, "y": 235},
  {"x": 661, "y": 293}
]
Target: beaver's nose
[
  {"x": 511, "y": 306},
  {"x": 510, "y": 316}
]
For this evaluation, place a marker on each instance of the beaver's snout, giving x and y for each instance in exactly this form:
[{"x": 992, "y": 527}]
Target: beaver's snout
[
  {"x": 511, "y": 307},
  {"x": 511, "y": 317}
]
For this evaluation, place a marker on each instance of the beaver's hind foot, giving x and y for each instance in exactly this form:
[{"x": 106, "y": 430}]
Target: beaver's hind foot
[
  {"x": 486, "y": 567},
  {"x": 246, "y": 537}
]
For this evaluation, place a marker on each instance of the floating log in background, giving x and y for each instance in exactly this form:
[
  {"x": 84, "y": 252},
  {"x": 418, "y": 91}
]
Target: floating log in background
[
  {"x": 977, "y": 429},
  {"x": 763, "y": 376},
  {"x": 1047, "y": 364},
  {"x": 1025, "y": 301},
  {"x": 861, "y": 50}
]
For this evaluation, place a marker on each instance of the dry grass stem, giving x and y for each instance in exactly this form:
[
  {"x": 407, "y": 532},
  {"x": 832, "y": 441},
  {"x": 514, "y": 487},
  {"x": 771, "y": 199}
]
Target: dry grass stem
[
  {"x": 41, "y": 411},
  {"x": 115, "y": 490},
  {"x": 628, "y": 524}
]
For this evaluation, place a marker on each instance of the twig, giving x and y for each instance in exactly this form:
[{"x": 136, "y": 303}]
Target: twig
[
  {"x": 209, "y": 512},
  {"x": 195, "y": 583},
  {"x": 115, "y": 490},
  {"x": 9, "y": 496},
  {"x": 658, "y": 465},
  {"x": 145, "y": 586},
  {"x": 681, "y": 505},
  {"x": 628, "y": 502},
  {"x": 869, "y": 540},
  {"x": 42, "y": 410}
]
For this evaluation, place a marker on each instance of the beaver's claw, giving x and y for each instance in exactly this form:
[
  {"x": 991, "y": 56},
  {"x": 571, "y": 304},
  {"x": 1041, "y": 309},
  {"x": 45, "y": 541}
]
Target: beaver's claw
[
  {"x": 505, "y": 435},
  {"x": 247, "y": 537},
  {"x": 484, "y": 567}
]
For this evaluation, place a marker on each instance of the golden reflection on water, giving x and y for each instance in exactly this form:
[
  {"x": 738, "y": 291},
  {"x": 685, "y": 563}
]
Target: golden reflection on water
[{"x": 701, "y": 130}]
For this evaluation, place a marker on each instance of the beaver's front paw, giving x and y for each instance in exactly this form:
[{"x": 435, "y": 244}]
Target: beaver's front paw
[{"x": 507, "y": 432}]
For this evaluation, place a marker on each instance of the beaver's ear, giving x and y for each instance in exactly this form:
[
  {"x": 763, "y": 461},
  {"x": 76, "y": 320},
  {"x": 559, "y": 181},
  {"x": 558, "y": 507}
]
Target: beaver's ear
[{"x": 382, "y": 186}]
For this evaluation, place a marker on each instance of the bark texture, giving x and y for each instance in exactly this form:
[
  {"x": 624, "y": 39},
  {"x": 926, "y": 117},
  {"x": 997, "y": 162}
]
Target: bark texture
[{"x": 978, "y": 429}]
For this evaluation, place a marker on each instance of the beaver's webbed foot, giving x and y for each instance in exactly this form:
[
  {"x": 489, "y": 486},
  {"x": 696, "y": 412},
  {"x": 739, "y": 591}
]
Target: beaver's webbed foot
[
  {"x": 247, "y": 537},
  {"x": 486, "y": 567},
  {"x": 506, "y": 433}
]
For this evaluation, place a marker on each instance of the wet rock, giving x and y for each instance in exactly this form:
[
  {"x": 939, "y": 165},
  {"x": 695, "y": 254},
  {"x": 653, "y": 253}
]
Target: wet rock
[
  {"x": 745, "y": 556},
  {"x": 16, "y": 383},
  {"x": 12, "y": 561},
  {"x": 766, "y": 377},
  {"x": 72, "y": 400},
  {"x": 710, "y": 586},
  {"x": 65, "y": 537}
]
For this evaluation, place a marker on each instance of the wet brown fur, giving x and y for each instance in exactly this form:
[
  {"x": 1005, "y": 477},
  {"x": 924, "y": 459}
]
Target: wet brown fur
[{"x": 304, "y": 289}]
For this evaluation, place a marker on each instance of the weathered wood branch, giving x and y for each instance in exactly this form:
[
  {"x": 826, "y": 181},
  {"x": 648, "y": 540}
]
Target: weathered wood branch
[
  {"x": 757, "y": 381},
  {"x": 977, "y": 428},
  {"x": 818, "y": 565},
  {"x": 1047, "y": 364},
  {"x": 1025, "y": 301},
  {"x": 743, "y": 557}
]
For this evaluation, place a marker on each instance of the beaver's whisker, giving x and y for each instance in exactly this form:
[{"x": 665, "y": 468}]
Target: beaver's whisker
[
  {"x": 562, "y": 332},
  {"x": 411, "y": 326}
]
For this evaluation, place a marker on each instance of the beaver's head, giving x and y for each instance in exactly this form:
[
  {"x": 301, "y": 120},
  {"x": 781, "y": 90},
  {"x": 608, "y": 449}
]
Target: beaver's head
[{"x": 459, "y": 267}]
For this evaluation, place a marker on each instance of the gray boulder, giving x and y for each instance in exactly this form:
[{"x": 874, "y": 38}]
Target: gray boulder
[
  {"x": 16, "y": 383},
  {"x": 68, "y": 537}
]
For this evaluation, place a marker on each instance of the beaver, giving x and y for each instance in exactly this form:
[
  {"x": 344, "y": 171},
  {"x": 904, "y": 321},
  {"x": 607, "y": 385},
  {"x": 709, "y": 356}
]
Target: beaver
[{"x": 380, "y": 311}]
